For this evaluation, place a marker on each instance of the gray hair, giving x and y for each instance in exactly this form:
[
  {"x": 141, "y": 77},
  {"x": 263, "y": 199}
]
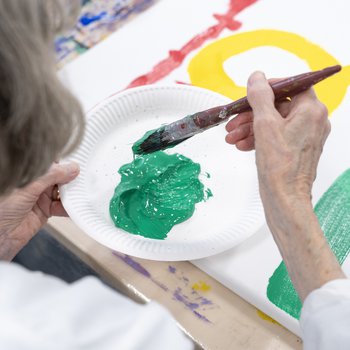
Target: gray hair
[{"x": 40, "y": 120}]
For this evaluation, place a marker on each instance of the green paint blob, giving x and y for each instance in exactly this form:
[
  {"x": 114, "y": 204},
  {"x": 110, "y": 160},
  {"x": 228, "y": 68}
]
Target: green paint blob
[
  {"x": 333, "y": 212},
  {"x": 156, "y": 192}
]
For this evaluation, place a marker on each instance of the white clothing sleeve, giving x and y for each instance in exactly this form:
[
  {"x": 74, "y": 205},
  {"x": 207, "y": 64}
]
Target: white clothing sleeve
[
  {"x": 41, "y": 312},
  {"x": 325, "y": 317}
]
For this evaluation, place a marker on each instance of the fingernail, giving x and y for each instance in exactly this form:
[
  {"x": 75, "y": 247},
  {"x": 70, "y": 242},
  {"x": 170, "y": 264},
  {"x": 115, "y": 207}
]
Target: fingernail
[
  {"x": 256, "y": 76},
  {"x": 73, "y": 168}
]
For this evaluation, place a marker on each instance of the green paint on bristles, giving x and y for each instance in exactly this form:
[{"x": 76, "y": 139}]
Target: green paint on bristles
[
  {"x": 136, "y": 147},
  {"x": 333, "y": 213}
]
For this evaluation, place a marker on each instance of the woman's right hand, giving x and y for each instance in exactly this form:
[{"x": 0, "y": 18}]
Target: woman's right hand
[
  {"x": 288, "y": 140},
  {"x": 288, "y": 143}
]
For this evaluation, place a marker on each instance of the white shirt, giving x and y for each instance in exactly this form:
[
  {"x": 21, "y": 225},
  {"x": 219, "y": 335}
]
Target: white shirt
[
  {"x": 325, "y": 317},
  {"x": 41, "y": 312}
]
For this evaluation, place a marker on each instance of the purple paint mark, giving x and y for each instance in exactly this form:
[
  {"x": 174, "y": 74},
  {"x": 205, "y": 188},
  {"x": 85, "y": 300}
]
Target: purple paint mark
[
  {"x": 206, "y": 301},
  {"x": 182, "y": 298},
  {"x": 160, "y": 285},
  {"x": 192, "y": 306},
  {"x": 139, "y": 268},
  {"x": 132, "y": 263},
  {"x": 194, "y": 303},
  {"x": 200, "y": 316},
  {"x": 171, "y": 269}
]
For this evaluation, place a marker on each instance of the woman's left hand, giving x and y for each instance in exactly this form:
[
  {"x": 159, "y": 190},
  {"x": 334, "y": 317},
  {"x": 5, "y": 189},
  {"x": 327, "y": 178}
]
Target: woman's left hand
[{"x": 24, "y": 211}]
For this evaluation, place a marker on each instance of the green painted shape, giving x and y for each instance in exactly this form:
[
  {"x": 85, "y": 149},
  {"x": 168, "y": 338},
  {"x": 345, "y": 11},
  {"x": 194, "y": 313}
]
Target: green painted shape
[
  {"x": 333, "y": 212},
  {"x": 156, "y": 192}
]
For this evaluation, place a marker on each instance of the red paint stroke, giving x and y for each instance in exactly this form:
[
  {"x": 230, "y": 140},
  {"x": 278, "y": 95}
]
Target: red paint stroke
[
  {"x": 176, "y": 57},
  {"x": 182, "y": 83}
]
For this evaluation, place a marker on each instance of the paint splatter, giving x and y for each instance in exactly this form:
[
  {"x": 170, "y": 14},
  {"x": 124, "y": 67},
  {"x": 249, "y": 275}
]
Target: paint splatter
[
  {"x": 89, "y": 18},
  {"x": 265, "y": 317},
  {"x": 202, "y": 286},
  {"x": 193, "y": 306},
  {"x": 97, "y": 20},
  {"x": 333, "y": 212},
  {"x": 132, "y": 263},
  {"x": 171, "y": 269},
  {"x": 183, "y": 293},
  {"x": 176, "y": 57}
]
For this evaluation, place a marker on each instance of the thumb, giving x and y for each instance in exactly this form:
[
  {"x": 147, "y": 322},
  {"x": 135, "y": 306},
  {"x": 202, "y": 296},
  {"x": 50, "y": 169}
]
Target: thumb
[
  {"x": 260, "y": 95},
  {"x": 57, "y": 174}
]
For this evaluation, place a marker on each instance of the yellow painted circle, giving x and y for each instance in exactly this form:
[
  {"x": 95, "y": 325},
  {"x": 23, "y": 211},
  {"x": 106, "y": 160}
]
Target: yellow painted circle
[{"x": 206, "y": 68}]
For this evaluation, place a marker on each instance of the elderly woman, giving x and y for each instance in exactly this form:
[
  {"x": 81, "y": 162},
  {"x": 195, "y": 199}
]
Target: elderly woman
[{"x": 40, "y": 121}]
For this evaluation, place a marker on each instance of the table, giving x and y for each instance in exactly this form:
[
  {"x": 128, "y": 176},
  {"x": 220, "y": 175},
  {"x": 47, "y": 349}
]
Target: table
[{"x": 212, "y": 315}]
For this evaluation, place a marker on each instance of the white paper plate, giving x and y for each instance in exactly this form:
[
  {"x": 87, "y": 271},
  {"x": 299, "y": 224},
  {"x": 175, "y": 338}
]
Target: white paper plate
[{"x": 233, "y": 213}]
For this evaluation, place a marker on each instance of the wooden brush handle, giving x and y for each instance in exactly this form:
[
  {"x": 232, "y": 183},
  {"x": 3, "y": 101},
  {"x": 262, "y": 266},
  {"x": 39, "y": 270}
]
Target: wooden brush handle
[{"x": 284, "y": 88}]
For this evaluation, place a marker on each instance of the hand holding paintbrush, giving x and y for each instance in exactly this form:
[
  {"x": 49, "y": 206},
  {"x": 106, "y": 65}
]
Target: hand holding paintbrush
[{"x": 178, "y": 131}]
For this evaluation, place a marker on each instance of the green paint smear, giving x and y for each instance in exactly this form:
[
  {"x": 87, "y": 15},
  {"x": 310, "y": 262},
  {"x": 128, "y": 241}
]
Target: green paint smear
[
  {"x": 333, "y": 212},
  {"x": 156, "y": 192}
]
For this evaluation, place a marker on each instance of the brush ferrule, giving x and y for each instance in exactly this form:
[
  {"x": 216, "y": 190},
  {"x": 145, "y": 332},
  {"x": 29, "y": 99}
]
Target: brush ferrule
[{"x": 181, "y": 129}]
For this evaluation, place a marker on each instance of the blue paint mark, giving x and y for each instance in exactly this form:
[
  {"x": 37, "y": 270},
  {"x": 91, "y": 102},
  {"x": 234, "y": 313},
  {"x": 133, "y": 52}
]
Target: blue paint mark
[{"x": 88, "y": 18}]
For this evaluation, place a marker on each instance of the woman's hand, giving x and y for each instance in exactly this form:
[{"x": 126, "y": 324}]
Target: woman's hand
[
  {"x": 288, "y": 141},
  {"x": 24, "y": 211}
]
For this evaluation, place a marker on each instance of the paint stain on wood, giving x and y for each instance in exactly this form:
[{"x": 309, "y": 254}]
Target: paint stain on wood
[
  {"x": 265, "y": 317},
  {"x": 182, "y": 292},
  {"x": 202, "y": 286}
]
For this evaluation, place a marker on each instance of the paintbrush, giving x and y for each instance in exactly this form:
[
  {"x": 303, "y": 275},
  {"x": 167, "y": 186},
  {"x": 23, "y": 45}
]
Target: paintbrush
[{"x": 172, "y": 134}]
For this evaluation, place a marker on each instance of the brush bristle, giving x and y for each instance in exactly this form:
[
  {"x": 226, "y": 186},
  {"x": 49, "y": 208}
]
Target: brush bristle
[
  {"x": 156, "y": 141},
  {"x": 149, "y": 144}
]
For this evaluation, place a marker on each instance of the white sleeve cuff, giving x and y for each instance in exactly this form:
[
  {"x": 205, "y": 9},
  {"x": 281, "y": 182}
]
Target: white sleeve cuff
[{"x": 325, "y": 317}]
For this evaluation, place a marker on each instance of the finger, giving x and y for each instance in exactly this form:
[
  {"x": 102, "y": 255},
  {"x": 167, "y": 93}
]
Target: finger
[
  {"x": 305, "y": 96},
  {"x": 241, "y": 118},
  {"x": 57, "y": 174},
  {"x": 57, "y": 209},
  {"x": 306, "y": 104},
  {"x": 260, "y": 96},
  {"x": 284, "y": 108},
  {"x": 247, "y": 144},
  {"x": 44, "y": 203},
  {"x": 241, "y": 132},
  {"x": 327, "y": 131}
]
